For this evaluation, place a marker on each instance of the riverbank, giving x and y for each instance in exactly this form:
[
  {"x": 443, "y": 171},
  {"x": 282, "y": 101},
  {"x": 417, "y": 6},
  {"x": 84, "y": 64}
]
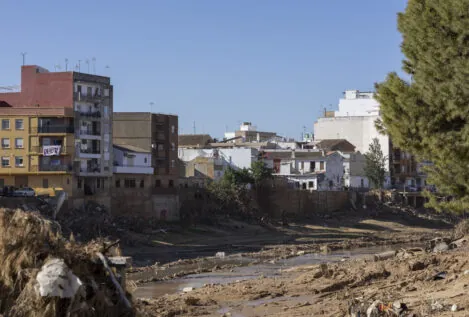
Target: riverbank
[{"x": 289, "y": 279}]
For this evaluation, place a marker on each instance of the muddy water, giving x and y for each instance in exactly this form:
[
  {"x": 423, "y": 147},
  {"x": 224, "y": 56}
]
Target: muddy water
[{"x": 267, "y": 269}]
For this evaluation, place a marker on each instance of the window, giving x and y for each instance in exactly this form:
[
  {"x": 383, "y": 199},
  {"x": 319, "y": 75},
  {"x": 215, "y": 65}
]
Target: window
[
  {"x": 312, "y": 166},
  {"x": 118, "y": 183},
  {"x": 173, "y": 146},
  {"x": 173, "y": 163},
  {"x": 145, "y": 160},
  {"x": 5, "y": 124},
  {"x": 45, "y": 183},
  {"x": 173, "y": 129},
  {"x": 311, "y": 184},
  {"x": 79, "y": 88},
  {"x": 78, "y": 183},
  {"x": 89, "y": 91},
  {"x": 171, "y": 183},
  {"x": 142, "y": 183},
  {"x": 2, "y": 183},
  {"x": 362, "y": 183},
  {"x": 5, "y": 161},
  {"x": 321, "y": 165},
  {"x": 19, "y": 124},
  {"x": 19, "y": 143},
  {"x": 302, "y": 165},
  {"x": 129, "y": 183},
  {"x": 98, "y": 183},
  {"x": 5, "y": 143},
  {"x": 19, "y": 161},
  {"x": 158, "y": 183}
]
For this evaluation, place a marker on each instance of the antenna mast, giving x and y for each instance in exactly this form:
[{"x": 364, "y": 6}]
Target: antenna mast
[{"x": 24, "y": 57}]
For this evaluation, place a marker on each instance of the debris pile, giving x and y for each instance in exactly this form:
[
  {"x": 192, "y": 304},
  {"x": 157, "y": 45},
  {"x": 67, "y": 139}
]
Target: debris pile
[{"x": 43, "y": 274}]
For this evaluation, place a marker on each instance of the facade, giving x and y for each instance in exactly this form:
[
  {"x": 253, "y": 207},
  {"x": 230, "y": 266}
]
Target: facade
[
  {"x": 248, "y": 133},
  {"x": 357, "y": 104},
  {"x": 153, "y": 132},
  {"x": 354, "y": 175},
  {"x": 130, "y": 159},
  {"x": 236, "y": 158},
  {"x": 209, "y": 168},
  {"x": 307, "y": 169},
  {"x": 56, "y": 132},
  {"x": 195, "y": 141},
  {"x": 406, "y": 171}
]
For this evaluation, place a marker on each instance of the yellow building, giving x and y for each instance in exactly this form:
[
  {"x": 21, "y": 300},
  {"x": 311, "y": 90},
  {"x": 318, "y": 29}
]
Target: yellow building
[{"x": 37, "y": 148}]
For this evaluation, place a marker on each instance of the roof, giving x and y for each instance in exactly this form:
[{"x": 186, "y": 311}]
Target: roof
[
  {"x": 336, "y": 145},
  {"x": 193, "y": 140},
  {"x": 130, "y": 148},
  {"x": 285, "y": 155}
]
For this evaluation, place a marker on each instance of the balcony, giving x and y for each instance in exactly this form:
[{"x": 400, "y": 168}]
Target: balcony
[
  {"x": 64, "y": 150},
  {"x": 51, "y": 168},
  {"x": 53, "y": 129},
  {"x": 90, "y": 115},
  {"x": 130, "y": 169},
  {"x": 90, "y": 134},
  {"x": 80, "y": 96}
]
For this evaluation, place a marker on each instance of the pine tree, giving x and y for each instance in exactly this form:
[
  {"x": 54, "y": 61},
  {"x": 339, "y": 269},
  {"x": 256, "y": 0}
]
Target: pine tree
[
  {"x": 375, "y": 164},
  {"x": 428, "y": 114}
]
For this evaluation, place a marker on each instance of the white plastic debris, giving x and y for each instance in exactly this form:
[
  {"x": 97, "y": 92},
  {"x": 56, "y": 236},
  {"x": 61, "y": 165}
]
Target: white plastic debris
[
  {"x": 220, "y": 254},
  {"x": 187, "y": 289},
  {"x": 57, "y": 280},
  {"x": 454, "y": 308}
]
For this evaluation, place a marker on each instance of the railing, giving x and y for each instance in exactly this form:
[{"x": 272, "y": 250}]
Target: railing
[
  {"x": 90, "y": 151},
  {"x": 53, "y": 129},
  {"x": 63, "y": 149},
  {"x": 80, "y": 96},
  {"x": 96, "y": 114},
  {"x": 51, "y": 168},
  {"x": 90, "y": 132},
  {"x": 95, "y": 170}
]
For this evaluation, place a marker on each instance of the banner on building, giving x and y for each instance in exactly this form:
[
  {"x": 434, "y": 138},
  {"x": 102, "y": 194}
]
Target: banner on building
[{"x": 51, "y": 150}]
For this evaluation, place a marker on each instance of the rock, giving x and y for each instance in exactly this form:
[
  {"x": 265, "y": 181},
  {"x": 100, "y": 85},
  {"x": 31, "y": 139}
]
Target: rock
[
  {"x": 458, "y": 243},
  {"x": 384, "y": 255},
  {"x": 416, "y": 265},
  {"x": 466, "y": 272},
  {"x": 192, "y": 301},
  {"x": 187, "y": 289},
  {"x": 454, "y": 308},
  {"x": 300, "y": 253},
  {"x": 441, "y": 247},
  {"x": 57, "y": 280}
]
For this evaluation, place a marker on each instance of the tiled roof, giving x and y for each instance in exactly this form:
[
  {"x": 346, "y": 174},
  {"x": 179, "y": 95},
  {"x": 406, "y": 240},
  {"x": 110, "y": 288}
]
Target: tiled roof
[{"x": 336, "y": 145}]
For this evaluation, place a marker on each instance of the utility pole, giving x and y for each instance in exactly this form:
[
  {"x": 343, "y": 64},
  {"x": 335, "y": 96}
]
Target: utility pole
[{"x": 24, "y": 57}]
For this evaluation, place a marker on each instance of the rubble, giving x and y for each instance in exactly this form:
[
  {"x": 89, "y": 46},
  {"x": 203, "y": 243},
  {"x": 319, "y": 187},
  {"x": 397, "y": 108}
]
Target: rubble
[{"x": 42, "y": 272}]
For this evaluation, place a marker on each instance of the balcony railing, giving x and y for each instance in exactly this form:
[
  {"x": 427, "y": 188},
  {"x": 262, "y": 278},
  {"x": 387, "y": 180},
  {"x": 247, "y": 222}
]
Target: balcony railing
[
  {"x": 80, "y": 96},
  {"x": 89, "y": 170},
  {"x": 90, "y": 151},
  {"x": 90, "y": 132},
  {"x": 51, "y": 168},
  {"x": 53, "y": 129},
  {"x": 96, "y": 114},
  {"x": 63, "y": 149}
]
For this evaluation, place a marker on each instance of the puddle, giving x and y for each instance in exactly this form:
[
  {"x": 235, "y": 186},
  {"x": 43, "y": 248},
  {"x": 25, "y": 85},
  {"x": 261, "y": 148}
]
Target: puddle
[{"x": 157, "y": 289}]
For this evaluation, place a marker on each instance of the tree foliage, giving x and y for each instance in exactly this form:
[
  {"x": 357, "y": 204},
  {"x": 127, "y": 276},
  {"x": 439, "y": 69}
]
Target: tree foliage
[
  {"x": 260, "y": 172},
  {"x": 375, "y": 163},
  {"x": 428, "y": 115}
]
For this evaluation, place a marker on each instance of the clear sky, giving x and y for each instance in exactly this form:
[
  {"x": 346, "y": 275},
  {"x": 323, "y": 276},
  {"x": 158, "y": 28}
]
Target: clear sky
[{"x": 275, "y": 63}]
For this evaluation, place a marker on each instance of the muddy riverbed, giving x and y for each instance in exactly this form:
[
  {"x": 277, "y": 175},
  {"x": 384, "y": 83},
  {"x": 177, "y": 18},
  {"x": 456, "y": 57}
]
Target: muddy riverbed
[{"x": 249, "y": 268}]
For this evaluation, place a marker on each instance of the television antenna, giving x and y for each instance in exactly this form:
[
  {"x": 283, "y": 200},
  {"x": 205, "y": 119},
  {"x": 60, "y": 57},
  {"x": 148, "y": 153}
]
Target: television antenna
[
  {"x": 88, "y": 64},
  {"x": 66, "y": 64},
  {"x": 94, "y": 65},
  {"x": 24, "y": 57}
]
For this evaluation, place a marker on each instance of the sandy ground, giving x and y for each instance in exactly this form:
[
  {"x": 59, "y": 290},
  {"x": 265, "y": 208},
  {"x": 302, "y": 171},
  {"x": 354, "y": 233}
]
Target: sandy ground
[{"x": 331, "y": 290}]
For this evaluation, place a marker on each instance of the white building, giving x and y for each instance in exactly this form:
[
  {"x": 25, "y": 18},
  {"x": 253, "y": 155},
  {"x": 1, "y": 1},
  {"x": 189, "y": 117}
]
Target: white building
[
  {"x": 130, "y": 159},
  {"x": 355, "y": 122},
  {"x": 237, "y": 158},
  {"x": 354, "y": 175},
  {"x": 307, "y": 169}
]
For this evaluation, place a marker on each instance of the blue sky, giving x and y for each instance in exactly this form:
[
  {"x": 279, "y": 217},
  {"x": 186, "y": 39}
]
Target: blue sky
[{"x": 275, "y": 63}]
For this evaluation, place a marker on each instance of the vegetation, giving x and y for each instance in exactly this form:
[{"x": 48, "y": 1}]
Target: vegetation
[
  {"x": 375, "y": 164},
  {"x": 428, "y": 114},
  {"x": 231, "y": 192}
]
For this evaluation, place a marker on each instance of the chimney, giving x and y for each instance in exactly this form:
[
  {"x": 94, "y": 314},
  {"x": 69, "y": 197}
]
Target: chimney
[{"x": 293, "y": 156}]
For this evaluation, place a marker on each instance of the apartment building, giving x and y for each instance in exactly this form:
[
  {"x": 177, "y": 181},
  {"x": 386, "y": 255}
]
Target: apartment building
[
  {"x": 156, "y": 133},
  {"x": 56, "y": 131}
]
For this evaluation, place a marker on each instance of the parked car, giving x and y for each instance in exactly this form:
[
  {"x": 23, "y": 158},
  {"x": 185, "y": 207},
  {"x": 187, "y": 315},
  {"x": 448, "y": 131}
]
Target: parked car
[{"x": 24, "y": 192}]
